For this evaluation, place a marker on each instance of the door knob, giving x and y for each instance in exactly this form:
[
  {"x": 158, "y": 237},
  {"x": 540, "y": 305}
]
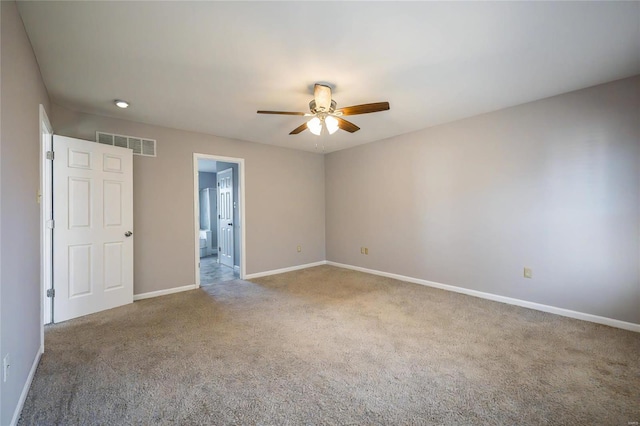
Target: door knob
[
  {"x": 128, "y": 234},
  {"x": 230, "y": 224}
]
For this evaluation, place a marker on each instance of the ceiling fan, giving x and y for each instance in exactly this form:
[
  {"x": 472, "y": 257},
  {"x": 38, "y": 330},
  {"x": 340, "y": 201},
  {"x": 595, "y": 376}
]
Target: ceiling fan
[{"x": 324, "y": 113}]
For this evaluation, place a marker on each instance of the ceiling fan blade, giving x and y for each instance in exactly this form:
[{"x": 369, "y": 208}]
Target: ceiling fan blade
[
  {"x": 282, "y": 112},
  {"x": 364, "y": 108},
  {"x": 322, "y": 96},
  {"x": 347, "y": 125},
  {"x": 299, "y": 129}
]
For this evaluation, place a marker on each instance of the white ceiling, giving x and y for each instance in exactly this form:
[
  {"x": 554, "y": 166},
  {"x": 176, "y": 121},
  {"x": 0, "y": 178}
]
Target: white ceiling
[{"x": 208, "y": 66}]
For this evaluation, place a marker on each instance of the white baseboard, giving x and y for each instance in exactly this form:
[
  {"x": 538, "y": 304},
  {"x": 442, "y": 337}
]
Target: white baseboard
[
  {"x": 503, "y": 299},
  {"x": 163, "y": 292},
  {"x": 489, "y": 296},
  {"x": 283, "y": 270},
  {"x": 25, "y": 389}
]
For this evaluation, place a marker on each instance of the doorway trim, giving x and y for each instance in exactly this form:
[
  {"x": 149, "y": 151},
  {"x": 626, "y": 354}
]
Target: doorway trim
[
  {"x": 46, "y": 214},
  {"x": 196, "y": 211}
]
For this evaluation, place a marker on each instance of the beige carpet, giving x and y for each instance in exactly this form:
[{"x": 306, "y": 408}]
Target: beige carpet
[{"x": 333, "y": 346}]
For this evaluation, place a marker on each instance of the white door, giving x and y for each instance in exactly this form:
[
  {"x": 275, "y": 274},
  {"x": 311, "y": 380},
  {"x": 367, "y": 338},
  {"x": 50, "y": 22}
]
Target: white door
[
  {"x": 92, "y": 237},
  {"x": 225, "y": 217}
]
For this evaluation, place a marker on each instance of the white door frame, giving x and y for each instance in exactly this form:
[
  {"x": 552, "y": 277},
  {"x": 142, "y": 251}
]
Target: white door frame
[
  {"x": 196, "y": 210},
  {"x": 46, "y": 212}
]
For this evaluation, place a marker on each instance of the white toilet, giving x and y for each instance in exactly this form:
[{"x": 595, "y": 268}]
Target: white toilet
[
  {"x": 205, "y": 243},
  {"x": 203, "y": 247}
]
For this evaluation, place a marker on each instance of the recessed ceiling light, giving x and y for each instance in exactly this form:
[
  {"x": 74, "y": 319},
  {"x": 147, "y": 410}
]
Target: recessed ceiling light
[{"x": 121, "y": 104}]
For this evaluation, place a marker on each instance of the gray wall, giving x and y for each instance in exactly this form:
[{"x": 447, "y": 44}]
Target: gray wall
[
  {"x": 22, "y": 90},
  {"x": 206, "y": 180},
  {"x": 553, "y": 185},
  {"x": 277, "y": 218}
]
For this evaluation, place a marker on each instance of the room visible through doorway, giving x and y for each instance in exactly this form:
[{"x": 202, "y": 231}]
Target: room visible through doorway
[{"x": 218, "y": 219}]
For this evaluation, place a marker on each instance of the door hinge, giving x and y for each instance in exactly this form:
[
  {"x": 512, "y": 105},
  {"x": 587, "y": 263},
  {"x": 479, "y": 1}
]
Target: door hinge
[
  {"x": 51, "y": 224},
  {"x": 51, "y": 292},
  {"x": 51, "y": 155}
]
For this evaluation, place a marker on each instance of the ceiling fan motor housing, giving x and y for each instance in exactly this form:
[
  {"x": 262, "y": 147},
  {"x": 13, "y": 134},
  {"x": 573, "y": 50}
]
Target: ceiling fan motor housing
[{"x": 316, "y": 109}]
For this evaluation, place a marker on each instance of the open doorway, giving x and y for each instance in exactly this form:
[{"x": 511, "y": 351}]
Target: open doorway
[{"x": 219, "y": 218}]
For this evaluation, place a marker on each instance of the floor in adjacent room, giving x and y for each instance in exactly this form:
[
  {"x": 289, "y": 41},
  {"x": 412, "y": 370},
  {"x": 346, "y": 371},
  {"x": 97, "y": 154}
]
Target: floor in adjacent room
[{"x": 213, "y": 272}]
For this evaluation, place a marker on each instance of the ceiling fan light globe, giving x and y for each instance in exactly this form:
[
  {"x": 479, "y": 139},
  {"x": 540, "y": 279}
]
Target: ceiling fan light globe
[
  {"x": 315, "y": 126},
  {"x": 332, "y": 124}
]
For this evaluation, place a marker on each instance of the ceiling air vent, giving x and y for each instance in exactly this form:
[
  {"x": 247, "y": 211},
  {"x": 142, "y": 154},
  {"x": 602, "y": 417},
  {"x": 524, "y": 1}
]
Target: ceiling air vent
[{"x": 140, "y": 146}]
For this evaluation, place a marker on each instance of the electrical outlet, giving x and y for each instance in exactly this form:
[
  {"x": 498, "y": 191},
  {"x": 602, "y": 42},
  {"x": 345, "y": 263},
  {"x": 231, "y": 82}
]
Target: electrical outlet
[
  {"x": 366, "y": 250},
  {"x": 5, "y": 368},
  {"x": 528, "y": 273},
  {"x": 299, "y": 249},
  {"x": 361, "y": 250}
]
